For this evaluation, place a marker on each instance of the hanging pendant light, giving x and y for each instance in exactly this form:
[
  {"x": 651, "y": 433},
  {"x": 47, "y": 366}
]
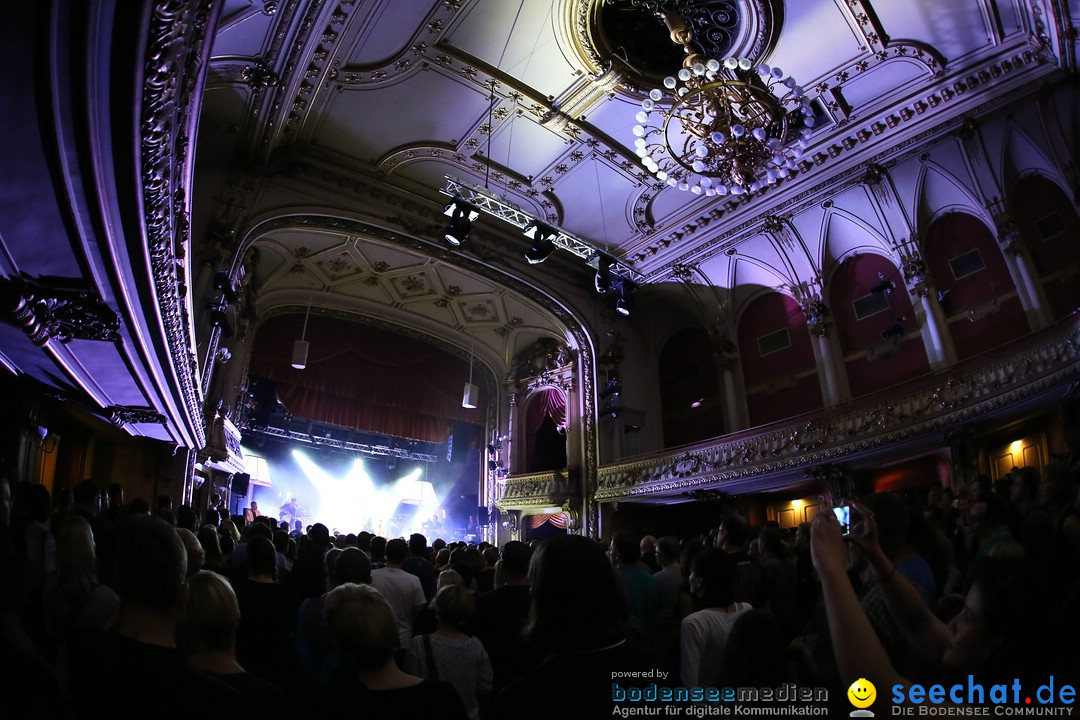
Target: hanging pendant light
[
  {"x": 472, "y": 392},
  {"x": 300, "y": 347}
]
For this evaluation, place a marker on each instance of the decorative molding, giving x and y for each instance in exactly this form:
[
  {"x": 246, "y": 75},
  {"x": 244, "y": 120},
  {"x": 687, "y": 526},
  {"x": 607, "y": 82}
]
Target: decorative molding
[
  {"x": 179, "y": 40},
  {"x": 274, "y": 118},
  {"x": 556, "y": 487},
  {"x": 47, "y": 311},
  {"x": 943, "y": 403},
  {"x": 121, "y": 415},
  {"x": 544, "y": 363},
  {"x": 753, "y": 36}
]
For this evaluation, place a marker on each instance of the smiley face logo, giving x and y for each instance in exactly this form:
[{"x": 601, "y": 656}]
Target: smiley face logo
[{"x": 862, "y": 693}]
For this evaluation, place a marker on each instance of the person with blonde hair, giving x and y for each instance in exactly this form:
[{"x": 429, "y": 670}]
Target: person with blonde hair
[
  {"x": 212, "y": 617},
  {"x": 448, "y": 653},
  {"x": 364, "y": 628}
]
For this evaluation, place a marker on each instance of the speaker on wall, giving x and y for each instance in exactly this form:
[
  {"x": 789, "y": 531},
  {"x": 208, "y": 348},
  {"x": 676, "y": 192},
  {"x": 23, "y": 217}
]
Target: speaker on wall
[
  {"x": 457, "y": 450},
  {"x": 240, "y": 483},
  {"x": 482, "y": 515}
]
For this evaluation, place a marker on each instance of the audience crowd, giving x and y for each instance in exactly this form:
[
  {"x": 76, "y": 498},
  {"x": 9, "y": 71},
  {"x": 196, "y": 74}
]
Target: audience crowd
[{"x": 122, "y": 609}]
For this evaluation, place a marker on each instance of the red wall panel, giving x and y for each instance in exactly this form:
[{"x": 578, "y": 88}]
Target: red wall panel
[
  {"x": 975, "y": 295},
  {"x": 852, "y": 280},
  {"x": 766, "y": 314},
  {"x": 1034, "y": 199}
]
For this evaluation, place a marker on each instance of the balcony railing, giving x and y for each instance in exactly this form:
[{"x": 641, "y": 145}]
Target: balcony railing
[
  {"x": 759, "y": 461},
  {"x": 544, "y": 489},
  {"x": 774, "y": 456}
]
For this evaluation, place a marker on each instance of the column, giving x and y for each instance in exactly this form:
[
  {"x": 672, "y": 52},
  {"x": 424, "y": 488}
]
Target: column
[
  {"x": 833, "y": 388},
  {"x": 940, "y": 351},
  {"x": 1028, "y": 287}
]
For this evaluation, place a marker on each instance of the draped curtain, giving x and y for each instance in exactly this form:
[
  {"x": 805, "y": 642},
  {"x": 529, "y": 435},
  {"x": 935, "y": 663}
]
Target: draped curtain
[
  {"x": 545, "y": 403},
  {"x": 545, "y": 450},
  {"x": 365, "y": 378},
  {"x": 559, "y": 520}
]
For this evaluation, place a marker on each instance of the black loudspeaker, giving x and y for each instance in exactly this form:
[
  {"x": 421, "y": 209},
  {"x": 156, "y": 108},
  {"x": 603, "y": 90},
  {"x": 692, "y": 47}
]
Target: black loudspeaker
[
  {"x": 457, "y": 447},
  {"x": 482, "y": 515},
  {"x": 240, "y": 483}
]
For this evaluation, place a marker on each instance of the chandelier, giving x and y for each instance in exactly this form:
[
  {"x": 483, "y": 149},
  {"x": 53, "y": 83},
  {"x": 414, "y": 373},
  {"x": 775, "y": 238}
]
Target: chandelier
[{"x": 719, "y": 126}]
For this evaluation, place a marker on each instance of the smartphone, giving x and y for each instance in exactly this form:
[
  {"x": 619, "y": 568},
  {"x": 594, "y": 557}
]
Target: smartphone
[{"x": 843, "y": 516}]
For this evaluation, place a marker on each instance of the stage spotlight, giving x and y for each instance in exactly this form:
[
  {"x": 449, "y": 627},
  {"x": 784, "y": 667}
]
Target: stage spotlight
[
  {"x": 224, "y": 284},
  {"x": 461, "y": 215},
  {"x": 625, "y": 303},
  {"x": 885, "y": 286},
  {"x": 895, "y": 330},
  {"x": 543, "y": 237},
  {"x": 944, "y": 300},
  {"x": 604, "y": 277},
  {"x": 611, "y": 389}
]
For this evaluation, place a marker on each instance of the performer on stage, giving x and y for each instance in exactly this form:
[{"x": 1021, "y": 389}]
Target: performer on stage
[{"x": 290, "y": 511}]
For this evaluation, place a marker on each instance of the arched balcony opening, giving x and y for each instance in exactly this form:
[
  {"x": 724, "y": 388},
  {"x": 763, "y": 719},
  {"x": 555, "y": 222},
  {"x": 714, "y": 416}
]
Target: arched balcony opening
[
  {"x": 1051, "y": 230},
  {"x": 692, "y": 403},
  {"x": 975, "y": 289},
  {"x": 875, "y": 323},
  {"x": 777, "y": 360},
  {"x": 545, "y": 426}
]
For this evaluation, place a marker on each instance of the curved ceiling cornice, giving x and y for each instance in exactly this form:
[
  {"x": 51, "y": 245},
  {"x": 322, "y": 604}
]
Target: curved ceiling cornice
[{"x": 372, "y": 270}]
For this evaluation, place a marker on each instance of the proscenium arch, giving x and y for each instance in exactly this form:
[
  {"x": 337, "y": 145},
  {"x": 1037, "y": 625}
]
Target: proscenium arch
[{"x": 316, "y": 219}]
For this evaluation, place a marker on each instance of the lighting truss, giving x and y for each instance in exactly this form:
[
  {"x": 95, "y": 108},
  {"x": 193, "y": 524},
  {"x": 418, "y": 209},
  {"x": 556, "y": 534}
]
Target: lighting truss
[
  {"x": 363, "y": 449},
  {"x": 487, "y": 202}
]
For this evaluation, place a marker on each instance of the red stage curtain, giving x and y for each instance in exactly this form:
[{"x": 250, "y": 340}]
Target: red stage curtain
[
  {"x": 548, "y": 402},
  {"x": 365, "y": 378},
  {"x": 559, "y": 520}
]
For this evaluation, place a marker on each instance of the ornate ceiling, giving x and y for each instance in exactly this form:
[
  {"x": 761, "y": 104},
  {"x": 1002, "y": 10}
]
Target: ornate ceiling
[
  {"x": 330, "y": 125},
  {"x": 535, "y": 100}
]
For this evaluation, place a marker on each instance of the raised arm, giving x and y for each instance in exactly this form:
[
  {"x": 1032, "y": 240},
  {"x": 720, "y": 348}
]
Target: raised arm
[
  {"x": 858, "y": 651},
  {"x": 922, "y": 628}
]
